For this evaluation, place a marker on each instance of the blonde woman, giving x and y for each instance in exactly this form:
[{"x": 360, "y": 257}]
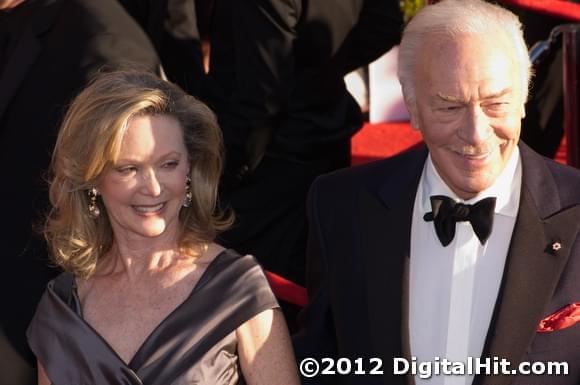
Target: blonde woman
[{"x": 147, "y": 297}]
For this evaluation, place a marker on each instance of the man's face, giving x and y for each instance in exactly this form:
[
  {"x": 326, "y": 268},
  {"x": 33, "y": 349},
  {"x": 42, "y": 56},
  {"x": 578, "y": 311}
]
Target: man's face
[{"x": 469, "y": 107}]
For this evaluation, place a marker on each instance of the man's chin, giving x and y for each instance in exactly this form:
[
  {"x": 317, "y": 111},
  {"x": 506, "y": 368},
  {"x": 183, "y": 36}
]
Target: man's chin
[
  {"x": 473, "y": 186},
  {"x": 467, "y": 184}
]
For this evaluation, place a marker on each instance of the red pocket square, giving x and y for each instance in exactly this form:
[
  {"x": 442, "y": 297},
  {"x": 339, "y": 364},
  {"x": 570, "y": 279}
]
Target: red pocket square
[{"x": 561, "y": 319}]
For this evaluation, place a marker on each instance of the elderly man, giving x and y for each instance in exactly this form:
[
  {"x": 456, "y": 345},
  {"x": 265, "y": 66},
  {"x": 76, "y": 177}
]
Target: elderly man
[{"x": 468, "y": 248}]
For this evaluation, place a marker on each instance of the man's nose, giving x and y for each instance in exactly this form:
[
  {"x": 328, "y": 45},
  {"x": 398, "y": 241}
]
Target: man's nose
[
  {"x": 151, "y": 183},
  {"x": 477, "y": 127}
]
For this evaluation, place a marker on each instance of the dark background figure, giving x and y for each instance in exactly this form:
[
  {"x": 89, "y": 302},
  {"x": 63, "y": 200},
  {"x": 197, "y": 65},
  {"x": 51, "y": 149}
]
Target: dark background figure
[
  {"x": 172, "y": 26},
  {"x": 543, "y": 126},
  {"x": 49, "y": 49},
  {"x": 276, "y": 83}
]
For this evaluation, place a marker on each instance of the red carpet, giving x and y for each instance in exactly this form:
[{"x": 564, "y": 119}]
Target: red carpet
[
  {"x": 558, "y": 8},
  {"x": 378, "y": 141}
]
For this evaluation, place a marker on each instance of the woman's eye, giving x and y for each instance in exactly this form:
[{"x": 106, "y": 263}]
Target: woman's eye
[
  {"x": 126, "y": 170},
  {"x": 171, "y": 164}
]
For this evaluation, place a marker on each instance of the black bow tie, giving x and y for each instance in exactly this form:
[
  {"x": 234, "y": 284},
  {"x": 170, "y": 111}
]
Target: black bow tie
[{"x": 446, "y": 212}]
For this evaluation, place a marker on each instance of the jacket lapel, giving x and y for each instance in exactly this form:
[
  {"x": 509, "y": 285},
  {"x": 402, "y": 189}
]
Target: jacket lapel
[
  {"x": 26, "y": 52},
  {"x": 532, "y": 267},
  {"x": 386, "y": 213}
]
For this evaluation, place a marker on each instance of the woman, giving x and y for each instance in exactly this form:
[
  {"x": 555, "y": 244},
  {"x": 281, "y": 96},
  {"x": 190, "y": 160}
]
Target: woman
[{"x": 147, "y": 297}]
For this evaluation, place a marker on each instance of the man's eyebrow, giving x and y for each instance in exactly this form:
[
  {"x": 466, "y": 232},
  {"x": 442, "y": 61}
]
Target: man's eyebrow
[
  {"x": 498, "y": 94},
  {"x": 458, "y": 99},
  {"x": 450, "y": 98}
]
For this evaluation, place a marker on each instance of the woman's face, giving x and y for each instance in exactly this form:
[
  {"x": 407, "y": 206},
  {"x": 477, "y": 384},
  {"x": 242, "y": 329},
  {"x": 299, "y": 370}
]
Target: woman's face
[{"x": 144, "y": 190}]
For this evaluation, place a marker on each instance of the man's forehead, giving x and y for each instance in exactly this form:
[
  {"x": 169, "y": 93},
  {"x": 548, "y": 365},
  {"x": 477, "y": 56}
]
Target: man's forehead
[
  {"x": 456, "y": 43},
  {"x": 454, "y": 61}
]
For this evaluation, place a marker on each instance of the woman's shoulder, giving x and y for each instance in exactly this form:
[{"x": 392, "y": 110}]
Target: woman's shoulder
[
  {"x": 64, "y": 287},
  {"x": 239, "y": 277},
  {"x": 62, "y": 284},
  {"x": 221, "y": 258},
  {"x": 229, "y": 263}
]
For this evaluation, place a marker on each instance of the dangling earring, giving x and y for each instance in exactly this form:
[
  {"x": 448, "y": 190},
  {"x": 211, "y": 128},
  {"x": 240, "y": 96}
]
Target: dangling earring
[
  {"x": 94, "y": 211},
  {"x": 188, "y": 194}
]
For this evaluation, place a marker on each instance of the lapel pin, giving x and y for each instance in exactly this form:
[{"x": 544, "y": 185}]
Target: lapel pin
[{"x": 553, "y": 248}]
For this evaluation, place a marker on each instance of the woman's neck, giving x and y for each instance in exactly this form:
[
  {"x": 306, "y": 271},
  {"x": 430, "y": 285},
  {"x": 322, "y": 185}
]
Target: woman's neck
[{"x": 137, "y": 257}]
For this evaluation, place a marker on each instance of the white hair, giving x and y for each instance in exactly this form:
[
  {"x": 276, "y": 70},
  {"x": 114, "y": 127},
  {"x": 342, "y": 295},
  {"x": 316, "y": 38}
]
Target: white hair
[{"x": 458, "y": 17}]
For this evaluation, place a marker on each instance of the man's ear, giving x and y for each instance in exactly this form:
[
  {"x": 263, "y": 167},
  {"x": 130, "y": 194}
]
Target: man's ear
[
  {"x": 413, "y": 115},
  {"x": 415, "y": 123},
  {"x": 523, "y": 110},
  {"x": 412, "y": 110}
]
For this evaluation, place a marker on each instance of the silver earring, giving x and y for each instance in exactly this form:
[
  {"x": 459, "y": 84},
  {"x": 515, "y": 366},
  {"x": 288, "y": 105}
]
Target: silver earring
[
  {"x": 94, "y": 211},
  {"x": 188, "y": 194}
]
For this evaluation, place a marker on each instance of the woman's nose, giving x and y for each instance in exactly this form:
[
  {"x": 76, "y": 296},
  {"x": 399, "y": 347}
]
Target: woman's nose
[{"x": 152, "y": 184}]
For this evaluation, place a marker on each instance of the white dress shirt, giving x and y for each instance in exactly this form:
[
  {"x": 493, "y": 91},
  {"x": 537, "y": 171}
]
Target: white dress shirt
[{"x": 453, "y": 289}]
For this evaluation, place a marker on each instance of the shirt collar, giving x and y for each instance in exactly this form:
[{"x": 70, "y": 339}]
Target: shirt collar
[{"x": 506, "y": 188}]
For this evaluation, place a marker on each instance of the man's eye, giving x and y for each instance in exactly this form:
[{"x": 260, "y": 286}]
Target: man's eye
[
  {"x": 497, "y": 109},
  {"x": 497, "y": 106},
  {"x": 449, "y": 108}
]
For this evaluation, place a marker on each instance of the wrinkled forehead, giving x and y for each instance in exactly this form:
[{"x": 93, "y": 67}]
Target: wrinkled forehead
[
  {"x": 468, "y": 60},
  {"x": 464, "y": 48}
]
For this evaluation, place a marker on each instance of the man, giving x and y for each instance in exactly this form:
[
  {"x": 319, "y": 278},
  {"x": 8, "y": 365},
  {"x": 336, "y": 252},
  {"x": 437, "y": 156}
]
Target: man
[
  {"x": 463, "y": 249},
  {"x": 276, "y": 84},
  {"x": 171, "y": 25},
  {"x": 49, "y": 49}
]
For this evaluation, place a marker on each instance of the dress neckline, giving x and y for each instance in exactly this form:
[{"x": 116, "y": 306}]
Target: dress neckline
[{"x": 202, "y": 281}]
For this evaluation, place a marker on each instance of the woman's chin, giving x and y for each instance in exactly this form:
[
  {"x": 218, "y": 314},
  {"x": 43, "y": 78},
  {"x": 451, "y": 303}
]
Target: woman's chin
[{"x": 152, "y": 230}]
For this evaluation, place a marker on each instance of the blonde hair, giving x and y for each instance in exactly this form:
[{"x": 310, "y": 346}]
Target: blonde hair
[
  {"x": 454, "y": 17},
  {"x": 89, "y": 142}
]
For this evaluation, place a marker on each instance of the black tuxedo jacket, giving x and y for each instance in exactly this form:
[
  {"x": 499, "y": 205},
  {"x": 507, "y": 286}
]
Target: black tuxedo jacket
[
  {"x": 63, "y": 44},
  {"x": 172, "y": 28},
  {"x": 277, "y": 67},
  {"x": 358, "y": 279}
]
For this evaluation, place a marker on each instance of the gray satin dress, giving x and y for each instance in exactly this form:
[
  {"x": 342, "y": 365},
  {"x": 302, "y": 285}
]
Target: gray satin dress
[{"x": 195, "y": 344}]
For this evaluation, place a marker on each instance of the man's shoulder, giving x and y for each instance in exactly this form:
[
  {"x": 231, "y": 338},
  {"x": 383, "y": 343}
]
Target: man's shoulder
[
  {"x": 565, "y": 179},
  {"x": 100, "y": 17},
  {"x": 373, "y": 174},
  {"x": 106, "y": 35}
]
